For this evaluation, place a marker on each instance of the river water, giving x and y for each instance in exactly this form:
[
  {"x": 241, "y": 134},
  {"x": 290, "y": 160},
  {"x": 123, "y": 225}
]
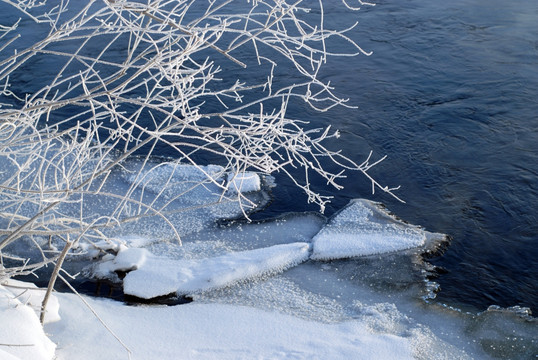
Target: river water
[{"x": 450, "y": 95}]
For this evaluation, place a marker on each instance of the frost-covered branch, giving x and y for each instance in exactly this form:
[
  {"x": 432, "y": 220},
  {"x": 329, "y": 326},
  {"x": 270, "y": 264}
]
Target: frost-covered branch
[{"x": 204, "y": 81}]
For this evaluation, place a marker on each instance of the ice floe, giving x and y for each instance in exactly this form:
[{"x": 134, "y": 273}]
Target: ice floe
[
  {"x": 154, "y": 276},
  {"x": 190, "y": 197},
  {"x": 359, "y": 230},
  {"x": 172, "y": 180}
]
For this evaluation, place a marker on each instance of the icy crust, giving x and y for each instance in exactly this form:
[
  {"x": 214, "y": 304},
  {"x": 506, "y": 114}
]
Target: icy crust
[
  {"x": 154, "y": 276},
  {"x": 281, "y": 294},
  {"x": 361, "y": 229},
  {"x": 21, "y": 335}
]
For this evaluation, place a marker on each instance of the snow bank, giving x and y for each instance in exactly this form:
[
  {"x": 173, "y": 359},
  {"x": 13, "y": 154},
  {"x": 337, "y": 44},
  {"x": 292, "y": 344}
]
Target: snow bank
[
  {"x": 30, "y": 295},
  {"x": 21, "y": 334},
  {"x": 153, "y": 276},
  {"x": 213, "y": 331},
  {"x": 361, "y": 229}
]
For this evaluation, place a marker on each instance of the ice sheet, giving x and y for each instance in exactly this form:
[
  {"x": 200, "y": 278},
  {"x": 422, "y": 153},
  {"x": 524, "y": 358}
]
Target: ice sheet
[
  {"x": 358, "y": 230},
  {"x": 154, "y": 276},
  {"x": 243, "y": 235},
  {"x": 172, "y": 180},
  {"x": 366, "y": 307},
  {"x": 243, "y": 182},
  {"x": 192, "y": 198}
]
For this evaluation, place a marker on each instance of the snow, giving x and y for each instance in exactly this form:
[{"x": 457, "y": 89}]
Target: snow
[
  {"x": 7, "y": 356},
  {"x": 213, "y": 331},
  {"x": 32, "y": 296},
  {"x": 21, "y": 334},
  {"x": 127, "y": 259},
  {"x": 154, "y": 276},
  {"x": 357, "y": 231}
]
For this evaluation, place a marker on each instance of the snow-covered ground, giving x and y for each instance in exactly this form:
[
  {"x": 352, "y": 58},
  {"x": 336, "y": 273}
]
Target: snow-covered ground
[
  {"x": 213, "y": 331},
  {"x": 297, "y": 287}
]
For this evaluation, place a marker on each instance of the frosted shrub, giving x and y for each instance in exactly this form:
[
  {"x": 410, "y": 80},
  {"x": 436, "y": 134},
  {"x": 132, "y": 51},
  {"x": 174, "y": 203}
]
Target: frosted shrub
[{"x": 135, "y": 78}]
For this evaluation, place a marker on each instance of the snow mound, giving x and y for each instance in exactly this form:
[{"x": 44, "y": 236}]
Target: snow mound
[
  {"x": 362, "y": 229},
  {"x": 154, "y": 276},
  {"x": 21, "y": 334}
]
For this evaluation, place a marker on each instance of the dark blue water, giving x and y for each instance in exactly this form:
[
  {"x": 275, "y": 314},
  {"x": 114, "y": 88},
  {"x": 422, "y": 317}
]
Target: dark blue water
[{"x": 451, "y": 96}]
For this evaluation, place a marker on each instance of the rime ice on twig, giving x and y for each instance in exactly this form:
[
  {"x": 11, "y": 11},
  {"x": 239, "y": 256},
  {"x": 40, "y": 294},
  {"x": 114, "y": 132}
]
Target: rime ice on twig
[{"x": 134, "y": 78}]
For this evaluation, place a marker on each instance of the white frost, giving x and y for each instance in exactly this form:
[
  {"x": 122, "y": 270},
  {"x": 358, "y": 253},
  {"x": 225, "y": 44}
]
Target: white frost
[{"x": 361, "y": 229}]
